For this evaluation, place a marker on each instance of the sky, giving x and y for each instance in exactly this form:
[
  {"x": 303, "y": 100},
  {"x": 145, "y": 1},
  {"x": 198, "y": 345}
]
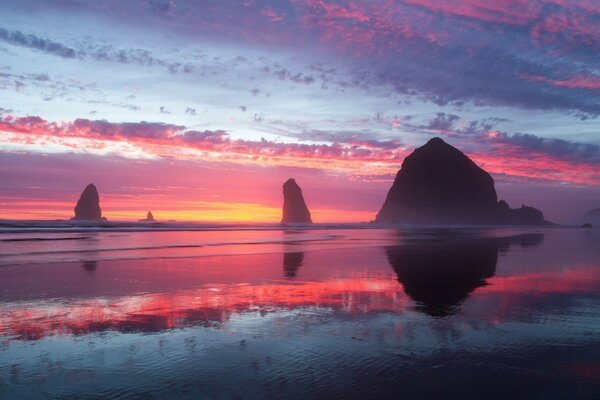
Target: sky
[{"x": 200, "y": 110}]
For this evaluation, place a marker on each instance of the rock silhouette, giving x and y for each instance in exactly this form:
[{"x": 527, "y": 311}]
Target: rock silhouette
[
  {"x": 149, "y": 217},
  {"x": 438, "y": 184},
  {"x": 295, "y": 210},
  {"x": 88, "y": 205},
  {"x": 518, "y": 216},
  {"x": 439, "y": 276}
]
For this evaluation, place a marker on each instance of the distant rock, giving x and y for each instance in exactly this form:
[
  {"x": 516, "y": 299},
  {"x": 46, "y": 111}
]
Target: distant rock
[
  {"x": 88, "y": 205},
  {"x": 586, "y": 225},
  {"x": 438, "y": 184},
  {"x": 590, "y": 217},
  {"x": 295, "y": 210},
  {"x": 149, "y": 217}
]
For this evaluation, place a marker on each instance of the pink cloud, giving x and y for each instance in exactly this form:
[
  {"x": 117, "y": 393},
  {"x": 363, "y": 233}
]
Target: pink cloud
[
  {"x": 520, "y": 156},
  {"x": 513, "y": 12},
  {"x": 162, "y": 139},
  {"x": 589, "y": 82},
  {"x": 272, "y": 15}
]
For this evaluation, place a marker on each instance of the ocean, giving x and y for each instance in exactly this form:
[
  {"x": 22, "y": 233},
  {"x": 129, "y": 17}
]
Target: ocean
[{"x": 175, "y": 310}]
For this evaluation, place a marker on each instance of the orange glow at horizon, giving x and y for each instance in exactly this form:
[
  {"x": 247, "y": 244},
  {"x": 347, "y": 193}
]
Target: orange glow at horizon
[
  {"x": 176, "y": 210},
  {"x": 353, "y": 163}
]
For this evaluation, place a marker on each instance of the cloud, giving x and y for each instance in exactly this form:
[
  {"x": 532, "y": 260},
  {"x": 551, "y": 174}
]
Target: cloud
[
  {"x": 518, "y": 156},
  {"x": 161, "y": 6},
  {"x": 449, "y": 125},
  {"x": 473, "y": 53},
  {"x": 215, "y": 137},
  {"x": 17, "y": 38},
  {"x": 442, "y": 122},
  {"x": 284, "y": 74},
  {"x": 363, "y": 139},
  {"x": 528, "y": 145},
  {"x": 91, "y": 51},
  {"x": 168, "y": 140},
  {"x": 89, "y": 128},
  {"x": 588, "y": 82}
]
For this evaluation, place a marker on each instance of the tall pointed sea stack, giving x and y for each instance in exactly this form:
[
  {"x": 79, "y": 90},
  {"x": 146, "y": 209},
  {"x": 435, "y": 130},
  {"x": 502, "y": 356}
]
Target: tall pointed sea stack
[
  {"x": 438, "y": 184},
  {"x": 88, "y": 205},
  {"x": 295, "y": 210}
]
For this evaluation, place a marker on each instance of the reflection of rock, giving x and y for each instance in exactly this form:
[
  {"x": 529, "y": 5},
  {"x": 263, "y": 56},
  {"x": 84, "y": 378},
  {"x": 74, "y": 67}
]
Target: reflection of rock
[
  {"x": 149, "y": 217},
  {"x": 441, "y": 275},
  {"x": 89, "y": 266},
  {"x": 295, "y": 210},
  {"x": 438, "y": 184},
  {"x": 88, "y": 205},
  {"x": 292, "y": 263}
]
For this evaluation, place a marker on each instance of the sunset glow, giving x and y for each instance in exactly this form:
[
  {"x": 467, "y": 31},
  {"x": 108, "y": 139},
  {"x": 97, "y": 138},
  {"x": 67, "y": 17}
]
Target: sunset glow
[
  {"x": 238, "y": 98},
  {"x": 299, "y": 199}
]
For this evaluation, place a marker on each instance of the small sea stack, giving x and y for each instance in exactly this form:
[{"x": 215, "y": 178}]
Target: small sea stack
[
  {"x": 149, "y": 217},
  {"x": 295, "y": 210},
  {"x": 88, "y": 205}
]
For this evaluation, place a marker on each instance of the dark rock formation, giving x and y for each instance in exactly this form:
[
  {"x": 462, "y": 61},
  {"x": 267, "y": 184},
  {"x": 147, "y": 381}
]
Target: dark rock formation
[
  {"x": 438, "y": 184},
  {"x": 586, "y": 225},
  {"x": 440, "y": 275},
  {"x": 149, "y": 217},
  {"x": 295, "y": 210},
  {"x": 88, "y": 205},
  {"x": 518, "y": 216}
]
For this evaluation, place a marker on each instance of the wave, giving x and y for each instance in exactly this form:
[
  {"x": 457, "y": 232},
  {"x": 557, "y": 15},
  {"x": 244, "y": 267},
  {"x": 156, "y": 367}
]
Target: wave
[
  {"x": 68, "y": 226},
  {"x": 41, "y": 239},
  {"x": 319, "y": 238}
]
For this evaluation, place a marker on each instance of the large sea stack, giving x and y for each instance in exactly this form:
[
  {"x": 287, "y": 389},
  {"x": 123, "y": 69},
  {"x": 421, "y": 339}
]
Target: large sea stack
[
  {"x": 88, "y": 205},
  {"x": 438, "y": 184},
  {"x": 295, "y": 210}
]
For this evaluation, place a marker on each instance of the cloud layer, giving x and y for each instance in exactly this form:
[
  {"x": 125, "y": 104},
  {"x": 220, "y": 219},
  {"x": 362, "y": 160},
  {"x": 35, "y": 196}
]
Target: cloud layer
[
  {"x": 326, "y": 88},
  {"x": 517, "y": 157}
]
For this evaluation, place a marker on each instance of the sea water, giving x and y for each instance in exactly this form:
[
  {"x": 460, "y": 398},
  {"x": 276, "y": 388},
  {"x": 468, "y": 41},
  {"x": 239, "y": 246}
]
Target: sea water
[{"x": 195, "y": 311}]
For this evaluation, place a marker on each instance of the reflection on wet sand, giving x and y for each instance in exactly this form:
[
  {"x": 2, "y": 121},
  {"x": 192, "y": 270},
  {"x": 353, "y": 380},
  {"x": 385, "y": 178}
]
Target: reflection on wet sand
[
  {"x": 207, "y": 306},
  {"x": 292, "y": 261},
  {"x": 89, "y": 266},
  {"x": 439, "y": 276},
  {"x": 307, "y": 320}
]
